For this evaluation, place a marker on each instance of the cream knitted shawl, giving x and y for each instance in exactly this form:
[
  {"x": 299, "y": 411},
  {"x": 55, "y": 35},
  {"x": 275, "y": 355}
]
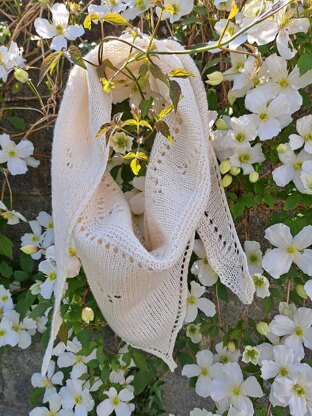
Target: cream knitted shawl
[{"x": 140, "y": 284}]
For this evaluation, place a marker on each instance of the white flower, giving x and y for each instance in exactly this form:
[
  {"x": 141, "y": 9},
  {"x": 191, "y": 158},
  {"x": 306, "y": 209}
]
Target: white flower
[
  {"x": 223, "y": 5},
  {"x": 297, "y": 330},
  {"x": 244, "y": 74},
  {"x": 251, "y": 355},
  {"x": 295, "y": 391},
  {"x": 289, "y": 249},
  {"x": 74, "y": 263},
  {"x": 48, "y": 268},
  {"x": 24, "y": 329},
  {"x": 33, "y": 238},
  {"x": 283, "y": 82},
  {"x": 203, "y": 412},
  {"x": 201, "y": 268},
  {"x": 12, "y": 217},
  {"x": 71, "y": 358},
  {"x": 58, "y": 30},
  {"x": 254, "y": 256},
  {"x": 193, "y": 332},
  {"x": 231, "y": 386},
  {"x": 261, "y": 285},
  {"x": 195, "y": 302},
  {"x": 75, "y": 396},
  {"x": 181, "y": 8},
  {"x": 7, "y": 335},
  {"x": 225, "y": 356},
  {"x": 304, "y": 138},
  {"x": 205, "y": 370},
  {"x": 108, "y": 6},
  {"x": 118, "y": 402},
  {"x": 121, "y": 142},
  {"x": 245, "y": 155},
  {"x": 17, "y": 156},
  {"x": 243, "y": 130},
  {"x": 6, "y": 302},
  {"x": 283, "y": 364},
  {"x": 48, "y": 381},
  {"x": 308, "y": 288},
  {"x": 136, "y": 7},
  {"x": 46, "y": 221},
  {"x": 281, "y": 26},
  {"x": 270, "y": 116},
  {"x": 306, "y": 176},
  {"x": 10, "y": 58},
  {"x": 291, "y": 170},
  {"x": 54, "y": 408}
]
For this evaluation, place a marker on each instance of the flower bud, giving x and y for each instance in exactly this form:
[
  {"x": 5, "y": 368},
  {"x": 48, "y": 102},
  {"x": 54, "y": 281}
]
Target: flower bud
[
  {"x": 215, "y": 78},
  {"x": 263, "y": 328},
  {"x": 30, "y": 249},
  {"x": 87, "y": 314},
  {"x": 231, "y": 346},
  {"x": 235, "y": 171},
  {"x": 225, "y": 166},
  {"x": 227, "y": 180},
  {"x": 21, "y": 75},
  {"x": 221, "y": 124},
  {"x": 301, "y": 292},
  {"x": 253, "y": 177},
  {"x": 282, "y": 148},
  {"x": 231, "y": 98}
]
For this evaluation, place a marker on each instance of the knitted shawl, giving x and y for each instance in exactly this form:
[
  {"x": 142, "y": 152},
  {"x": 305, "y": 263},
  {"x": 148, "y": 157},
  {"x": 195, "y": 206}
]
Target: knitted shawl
[{"x": 140, "y": 284}]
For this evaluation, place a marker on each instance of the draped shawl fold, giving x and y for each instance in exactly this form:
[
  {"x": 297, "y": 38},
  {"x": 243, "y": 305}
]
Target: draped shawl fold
[{"x": 140, "y": 284}]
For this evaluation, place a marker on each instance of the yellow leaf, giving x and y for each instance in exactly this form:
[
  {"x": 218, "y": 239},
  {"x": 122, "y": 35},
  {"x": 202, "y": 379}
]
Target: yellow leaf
[
  {"x": 88, "y": 20},
  {"x": 129, "y": 155},
  {"x": 234, "y": 11},
  {"x": 180, "y": 73},
  {"x": 142, "y": 156},
  {"x": 116, "y": 19},
  {"x": 135, "y": 166}
]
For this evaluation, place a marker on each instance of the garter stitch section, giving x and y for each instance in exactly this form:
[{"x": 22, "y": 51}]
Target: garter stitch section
[{"x": 140, "y": 285}]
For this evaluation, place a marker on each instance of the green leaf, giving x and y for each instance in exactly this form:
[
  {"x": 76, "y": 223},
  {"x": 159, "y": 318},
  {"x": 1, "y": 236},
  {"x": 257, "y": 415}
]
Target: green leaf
[
  {"x": 141, "y": 380},
  {"x": 181, "y": 73},
  {"x": 93, "y": 363},
  {"x": 145, "y": 106},
  {"x": 36, "y": 394},
  {"x": 163, "y": 128},
  {"x": 105, "y": 372},
  {"x": 20, "y": 276},
  {"x": 157, "y": 73},
  {"x": 26, "y": 263},
  {"x": 175, "y": 93},
  {"x": 5, "y": 269},
  {"x": 40, "y": 309},
  {"x": 24, "y": 304},
  {"x": 292, "y": 201},
  {"x": 116, "y": 19},
  {"x": 84, "y": 337},
  {"x": 76, "y": 56},
  {"x": 140, "y": 360},
  {"x": 18, "y": 122},
  {"x": 6, "y": 246},
  {"x": 305, "y": 63}
]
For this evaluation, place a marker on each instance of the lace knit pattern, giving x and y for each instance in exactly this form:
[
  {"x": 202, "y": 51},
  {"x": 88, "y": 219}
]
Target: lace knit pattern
[{"x": 140, "y": 285}]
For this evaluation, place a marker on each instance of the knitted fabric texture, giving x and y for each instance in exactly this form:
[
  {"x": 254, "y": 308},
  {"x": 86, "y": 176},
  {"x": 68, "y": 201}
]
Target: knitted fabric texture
[{"x": 140, "y": 283}]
